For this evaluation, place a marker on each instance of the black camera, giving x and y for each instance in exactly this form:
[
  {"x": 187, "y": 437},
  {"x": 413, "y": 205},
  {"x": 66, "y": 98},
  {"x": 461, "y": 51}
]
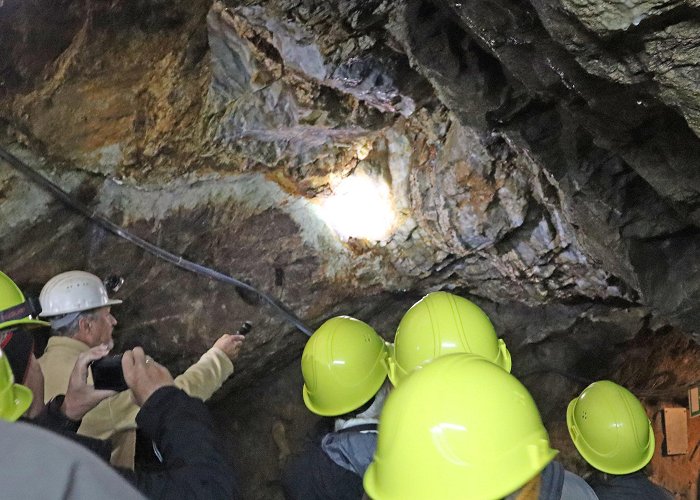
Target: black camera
[{"x": 107, "y": 373}]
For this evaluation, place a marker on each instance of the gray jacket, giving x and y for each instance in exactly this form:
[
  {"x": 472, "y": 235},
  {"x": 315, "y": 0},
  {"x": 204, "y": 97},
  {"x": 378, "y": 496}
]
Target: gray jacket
[
  {"x": 558, "y": 483},
  {"x": 37, "y": 463},
  {"x": 354, "y": 441},
  {"x": 353, "y": 447}
]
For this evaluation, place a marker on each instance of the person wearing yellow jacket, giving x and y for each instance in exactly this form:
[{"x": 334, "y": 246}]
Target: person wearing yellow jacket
[{"x": 79, "y": 309}]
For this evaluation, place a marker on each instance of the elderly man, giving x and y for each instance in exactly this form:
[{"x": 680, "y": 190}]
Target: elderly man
[
  {"x": 77, "y": 305},
  {"x": 26, "y": 398},
  {"x": 344, "y": 366},
  {"x": 72, "y": 472},
  {"x": 193, "y": 465},
  {"x": 42, "y": 466}
]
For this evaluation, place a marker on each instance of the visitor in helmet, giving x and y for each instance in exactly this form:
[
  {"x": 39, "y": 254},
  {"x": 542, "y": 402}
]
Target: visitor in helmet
[
  {"x": 25, "y": 398},
  {"x": 16, "y": 315},
  {"x": 63, "y": 413},
  {"x": 79, "y": 310},
  {"x": 192, "y": 464},
  {"x": 611, "y": 430},
  {"x": 344, "y": 366},
  {"x": 40, "y": 464},
  {"x": 461, "y": 427},
  {"x": 443, "y": 323}
]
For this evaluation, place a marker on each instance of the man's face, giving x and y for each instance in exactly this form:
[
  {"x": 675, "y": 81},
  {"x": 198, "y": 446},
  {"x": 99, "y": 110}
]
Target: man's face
[{"x": 100, "y": 327}]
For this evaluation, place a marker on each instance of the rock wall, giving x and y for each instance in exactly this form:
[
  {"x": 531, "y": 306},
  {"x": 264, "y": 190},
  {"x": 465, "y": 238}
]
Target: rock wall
[{"x": 540, "y": 157}]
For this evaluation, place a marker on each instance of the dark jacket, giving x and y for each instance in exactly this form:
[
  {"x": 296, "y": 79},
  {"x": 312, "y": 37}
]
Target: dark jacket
[
  {"x": 332, "y": 469},
  {"x": 193, "y": 465},
  {"x": 557, "y": 483},
  {"x": 628, "y": 487},
  {"x": 311, "y": 475},
  {"x": 53, "y": 419}
]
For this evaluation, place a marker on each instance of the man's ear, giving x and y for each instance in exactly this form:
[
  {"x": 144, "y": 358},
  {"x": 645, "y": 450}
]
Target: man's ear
[{"x": 84, "y": 324}]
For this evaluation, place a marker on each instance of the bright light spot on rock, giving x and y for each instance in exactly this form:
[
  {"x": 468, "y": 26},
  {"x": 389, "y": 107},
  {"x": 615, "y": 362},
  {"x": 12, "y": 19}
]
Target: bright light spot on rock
[{"x": 359, "y": 207}]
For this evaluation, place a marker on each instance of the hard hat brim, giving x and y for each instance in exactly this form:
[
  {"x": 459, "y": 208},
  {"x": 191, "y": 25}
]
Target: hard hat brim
[
  {"x": 369, "y": 481},
  {"x": 331, "y": 412},
  {"x": 312, "y": 407},
  {"x": 30, "y": 323},
  {"x": 22, "y": 399},
  {"x": 110, "y": 302}
]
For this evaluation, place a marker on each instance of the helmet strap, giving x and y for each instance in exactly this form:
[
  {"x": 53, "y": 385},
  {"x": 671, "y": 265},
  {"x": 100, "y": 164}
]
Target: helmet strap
[{"x": 15, "y": 312}]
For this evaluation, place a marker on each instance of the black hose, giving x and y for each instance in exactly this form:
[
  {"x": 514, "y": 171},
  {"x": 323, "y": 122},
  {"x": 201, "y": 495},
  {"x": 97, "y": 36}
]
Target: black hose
[{"x": 179, "y": 261}]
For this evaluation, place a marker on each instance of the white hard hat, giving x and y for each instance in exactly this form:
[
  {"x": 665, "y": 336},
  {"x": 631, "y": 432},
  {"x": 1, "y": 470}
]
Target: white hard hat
[{"x": 73, "y": 291}]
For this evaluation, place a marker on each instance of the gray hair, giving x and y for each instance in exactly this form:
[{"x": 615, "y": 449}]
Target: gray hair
[{"x": 67, "y": 325}]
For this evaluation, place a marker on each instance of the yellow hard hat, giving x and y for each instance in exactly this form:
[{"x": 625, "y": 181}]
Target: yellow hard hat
[
  {"x": 610, "y": 428},
  {"x": 14, "y": 398},
  {"x": 14, "y": 309},
  {"x": 343, "y": 365},
  {"x": 461, "y": 427},
  {"x": 443, "y": 323}
]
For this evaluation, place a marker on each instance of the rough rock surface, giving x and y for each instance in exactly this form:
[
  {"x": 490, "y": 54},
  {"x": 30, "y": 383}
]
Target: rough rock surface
[
  {"x": 518, "y": 171},
  {"x": 540, "y": 158}
]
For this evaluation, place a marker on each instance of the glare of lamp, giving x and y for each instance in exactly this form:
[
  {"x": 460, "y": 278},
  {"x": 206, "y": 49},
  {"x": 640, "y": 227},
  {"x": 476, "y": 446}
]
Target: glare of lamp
[{"x": 359, "y": 207}]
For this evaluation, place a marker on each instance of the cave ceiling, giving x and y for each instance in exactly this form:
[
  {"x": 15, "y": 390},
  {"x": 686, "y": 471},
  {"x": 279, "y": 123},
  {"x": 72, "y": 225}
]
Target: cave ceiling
[{"x": 539, "y": 157}]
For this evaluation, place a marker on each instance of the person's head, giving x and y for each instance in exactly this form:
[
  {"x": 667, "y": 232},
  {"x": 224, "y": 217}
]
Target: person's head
[
  {"x": 442, "y": 323},
  {"x": 15, "y": 399},
  {"x": 610, "y": 428},
  {"x": 344, "y": 364},
  {"x": 460, "y": 427},
  {"x": 17, "y": 342},
  {"x": 77, "y": 304},
  {"x": 14, "y": 308},
  {"x": 18, "y": 345}
]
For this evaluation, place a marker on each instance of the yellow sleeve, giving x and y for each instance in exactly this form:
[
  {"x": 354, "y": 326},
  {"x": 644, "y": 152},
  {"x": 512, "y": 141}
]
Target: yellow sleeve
[
  {"x": 206, "y": 376},
  {"x": 118, "y": 412},
  {"x": 111, "y": 415},
  {"x": 56, "y": 376}
]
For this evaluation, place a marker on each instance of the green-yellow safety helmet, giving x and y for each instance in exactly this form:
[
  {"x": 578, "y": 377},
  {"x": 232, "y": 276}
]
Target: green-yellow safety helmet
[
  {"x": 344, "y": 364},
  {"x": 460, "y": 427},
  {"x": 443, "y": 323},
  {"x": 14, "y": 309},
  {"x": 610, "y": 428},
  {"x": 14, "y": 398}
]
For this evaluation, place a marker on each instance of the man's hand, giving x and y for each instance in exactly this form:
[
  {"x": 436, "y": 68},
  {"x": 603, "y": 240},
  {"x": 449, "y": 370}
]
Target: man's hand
[
  {"x": 143, "y": 375},
  {"x": 80, "y": 397},
  {"x": 230, "y": 344}
]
